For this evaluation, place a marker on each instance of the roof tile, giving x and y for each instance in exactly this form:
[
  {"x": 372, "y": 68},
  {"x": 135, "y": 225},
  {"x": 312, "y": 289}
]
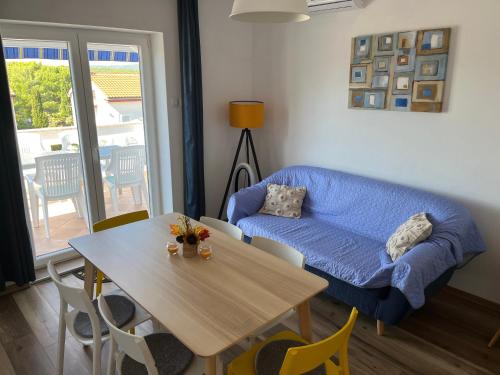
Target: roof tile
[{"x": 118, "y": 85}]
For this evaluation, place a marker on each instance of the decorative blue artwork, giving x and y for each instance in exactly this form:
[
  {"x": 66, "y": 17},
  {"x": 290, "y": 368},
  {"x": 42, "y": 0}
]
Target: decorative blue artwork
[
  {"x": 374, "y": 99},
  {"x": 431, "y": 67},
  {"x": 404, "y": 71},
  {"x": 401, "y": 103}
]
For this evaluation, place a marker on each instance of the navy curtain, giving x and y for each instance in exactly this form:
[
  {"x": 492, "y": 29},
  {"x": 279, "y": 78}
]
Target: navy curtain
[
  {"x": 16, "y": 259},
  {"x": 192, "y": 108}
]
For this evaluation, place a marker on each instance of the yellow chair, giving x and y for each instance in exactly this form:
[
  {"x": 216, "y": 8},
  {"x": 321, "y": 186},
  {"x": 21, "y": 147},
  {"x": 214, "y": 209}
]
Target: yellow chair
[
  {"x": 112, "y": 223},
  {"x": 299, "y": 360}
]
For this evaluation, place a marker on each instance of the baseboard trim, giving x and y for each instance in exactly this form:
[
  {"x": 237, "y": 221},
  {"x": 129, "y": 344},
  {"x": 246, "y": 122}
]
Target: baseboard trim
[
  {"x": 471, "y": 298},
  {"x": 10, "y": 289}
]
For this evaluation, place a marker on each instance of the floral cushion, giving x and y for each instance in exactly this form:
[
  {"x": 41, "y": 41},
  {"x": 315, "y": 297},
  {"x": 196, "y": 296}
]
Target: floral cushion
[
  {"x": 282, "y": 200},
  {"x": 415, "y": 230}
]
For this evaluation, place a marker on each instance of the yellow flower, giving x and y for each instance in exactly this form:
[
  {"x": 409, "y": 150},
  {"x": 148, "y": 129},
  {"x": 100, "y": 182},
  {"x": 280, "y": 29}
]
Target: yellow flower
[{"x": 175, "y": 230}]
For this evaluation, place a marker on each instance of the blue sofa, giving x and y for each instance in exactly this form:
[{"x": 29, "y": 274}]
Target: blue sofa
[{"x": 346, "y": 221}]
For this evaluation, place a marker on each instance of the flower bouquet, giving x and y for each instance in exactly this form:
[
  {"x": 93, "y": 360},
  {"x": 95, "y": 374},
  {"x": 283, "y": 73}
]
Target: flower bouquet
[{"x": 188, "y": 236}]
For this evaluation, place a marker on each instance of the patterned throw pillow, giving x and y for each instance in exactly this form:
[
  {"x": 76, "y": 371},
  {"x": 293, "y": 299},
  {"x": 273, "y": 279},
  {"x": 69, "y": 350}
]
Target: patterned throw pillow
[
  {"x": 415, "y": 230},
  {"x": 282, "y": 200}
]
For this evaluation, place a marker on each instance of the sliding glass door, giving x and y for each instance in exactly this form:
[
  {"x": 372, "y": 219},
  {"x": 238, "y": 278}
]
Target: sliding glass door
[{"x": 84, "y": 118}]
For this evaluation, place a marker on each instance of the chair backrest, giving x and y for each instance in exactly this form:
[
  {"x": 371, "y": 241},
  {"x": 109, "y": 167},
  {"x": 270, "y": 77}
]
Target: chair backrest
[
  {"x": 69, "y": 140},
  {"x": 117, "y": 221},
  {"x": 60, "y": 174},
  {"x": 127, "y": 164},
  {"x": 300, "y": 360},
  {"x": 133, "y": 346},
  {"x": 223, "y": 226},
  {"x": 29, "y": 143},
  {"x": 280, "y": 250},
  {"x": 75, "y": 297}
]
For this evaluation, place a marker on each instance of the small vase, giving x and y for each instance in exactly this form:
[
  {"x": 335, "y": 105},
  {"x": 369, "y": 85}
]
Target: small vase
[{"x": 189, "y": 251}]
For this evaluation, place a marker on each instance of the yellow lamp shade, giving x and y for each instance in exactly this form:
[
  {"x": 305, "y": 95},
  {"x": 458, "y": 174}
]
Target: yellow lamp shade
[{"x": 246, "y": 114}]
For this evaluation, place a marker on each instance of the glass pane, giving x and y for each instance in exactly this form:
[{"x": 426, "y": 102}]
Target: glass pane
[
  {"x": 117, "y": 94},
  {"x": 47, "y": 135}
]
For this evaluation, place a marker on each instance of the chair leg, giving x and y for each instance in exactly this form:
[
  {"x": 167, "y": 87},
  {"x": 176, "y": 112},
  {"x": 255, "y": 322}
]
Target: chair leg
[
  {"x": 34, "y": 205},
  {"x": 144, "y": 190},
  {"x": 45, "y": 205},
  {"x": 36, "y": 217},
  {"x": 112, "y": 359},
  {"x": 380, "y": 328},
  {"x": 136, "y": 194},
  {"x": 114, "y": 198},
  {"x": 96, "y": 357},
  {"x": 494, "y": 339},
  {"x": 82, "y": 207},
  {"x": 61, "y": 345},
  {"x": 344, "y": 359},
  {"x": 77, "y": 207},
  {"x": 61, "y": 342}
]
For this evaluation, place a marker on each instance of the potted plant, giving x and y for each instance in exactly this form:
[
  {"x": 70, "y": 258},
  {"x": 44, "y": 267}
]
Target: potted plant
[{"x": 188, "y": 236}]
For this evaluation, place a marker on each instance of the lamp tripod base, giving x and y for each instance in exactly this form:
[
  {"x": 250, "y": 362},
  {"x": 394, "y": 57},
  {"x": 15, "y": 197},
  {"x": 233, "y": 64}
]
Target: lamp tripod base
[{"x": 246, "y": 135}]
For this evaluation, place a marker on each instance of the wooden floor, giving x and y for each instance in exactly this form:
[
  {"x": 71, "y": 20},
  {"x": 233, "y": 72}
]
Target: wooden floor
[{"x": 448, "y": 336}]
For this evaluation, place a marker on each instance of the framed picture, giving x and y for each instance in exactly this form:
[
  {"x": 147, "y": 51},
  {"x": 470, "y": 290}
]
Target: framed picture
[{"x": 404, "y": 71}]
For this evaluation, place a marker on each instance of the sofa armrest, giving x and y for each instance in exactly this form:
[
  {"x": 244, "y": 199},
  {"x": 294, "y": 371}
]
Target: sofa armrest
[{"x": 246, "y": 202}]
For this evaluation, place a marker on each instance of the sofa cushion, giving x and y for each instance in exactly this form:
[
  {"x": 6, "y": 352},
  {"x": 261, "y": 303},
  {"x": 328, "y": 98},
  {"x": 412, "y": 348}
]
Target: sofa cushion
[
  {"x": 409, "y": 234},
  {"x": 282, "y": 200}
]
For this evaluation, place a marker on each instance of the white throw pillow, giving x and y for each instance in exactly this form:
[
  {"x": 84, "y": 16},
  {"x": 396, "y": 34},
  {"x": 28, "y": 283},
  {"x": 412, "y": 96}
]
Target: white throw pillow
[
  {"x": 282, "y": 200},
  {"x": 415, "y": 230}
]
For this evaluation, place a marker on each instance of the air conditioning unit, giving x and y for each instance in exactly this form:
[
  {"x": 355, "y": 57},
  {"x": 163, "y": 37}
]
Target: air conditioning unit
[{"x": 334, "y": 5}]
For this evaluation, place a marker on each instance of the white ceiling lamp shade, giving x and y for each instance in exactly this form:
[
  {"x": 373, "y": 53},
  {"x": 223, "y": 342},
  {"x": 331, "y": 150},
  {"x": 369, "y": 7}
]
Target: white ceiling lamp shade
[{"x": 270, "y": 11}]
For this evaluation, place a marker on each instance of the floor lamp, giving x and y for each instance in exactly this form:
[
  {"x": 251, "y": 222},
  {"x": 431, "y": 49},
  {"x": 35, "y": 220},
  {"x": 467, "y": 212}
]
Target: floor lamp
[{"x": 244, "y": 115}]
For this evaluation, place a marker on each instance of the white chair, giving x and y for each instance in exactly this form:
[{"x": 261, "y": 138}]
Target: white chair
[
  {"x": 30, "y": 146},
  {"x": 69, "y": 140},
  {"x": 58, "y": 177},
  {"x": 223, "y": 226},
  {"x": 126, "y": 169},
  {"x": 157, "y": 352},
  {"x": 85, "y": 323},
  {"x": 280, "y": 250},
  {"x": 288, "y": 254}
]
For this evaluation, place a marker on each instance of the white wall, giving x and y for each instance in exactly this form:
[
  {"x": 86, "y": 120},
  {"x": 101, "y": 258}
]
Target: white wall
[
  {"x": 227, "y": 73},
  {"x": 302, "y": 72},
  {"x": 227, "y": 59}
]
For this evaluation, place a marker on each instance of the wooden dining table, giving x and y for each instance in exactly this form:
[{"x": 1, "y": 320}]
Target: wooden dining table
[{"x": 209, "y": 305}]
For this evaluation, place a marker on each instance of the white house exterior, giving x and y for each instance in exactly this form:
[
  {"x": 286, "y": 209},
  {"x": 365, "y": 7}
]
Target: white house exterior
[{"x": 117, "y": 98}]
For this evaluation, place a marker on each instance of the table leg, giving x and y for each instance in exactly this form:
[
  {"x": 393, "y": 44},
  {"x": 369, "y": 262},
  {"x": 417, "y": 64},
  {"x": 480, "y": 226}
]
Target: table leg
[
  {"x": 88, "y": 283},
  {"x": 211, "y": 365},
  {"x": 494, "y": 339},
  {"x": 304, "y": 312}
]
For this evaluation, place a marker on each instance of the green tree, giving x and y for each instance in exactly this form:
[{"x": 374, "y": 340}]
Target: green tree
[
  {"x": 38, "y": 117},
  {"x": 53, "y": 84},
  {"x": 64, "y": 115}
]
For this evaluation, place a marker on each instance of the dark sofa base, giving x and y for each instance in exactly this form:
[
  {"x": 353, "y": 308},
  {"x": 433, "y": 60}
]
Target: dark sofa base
[{"x": 386, "y": 304}]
